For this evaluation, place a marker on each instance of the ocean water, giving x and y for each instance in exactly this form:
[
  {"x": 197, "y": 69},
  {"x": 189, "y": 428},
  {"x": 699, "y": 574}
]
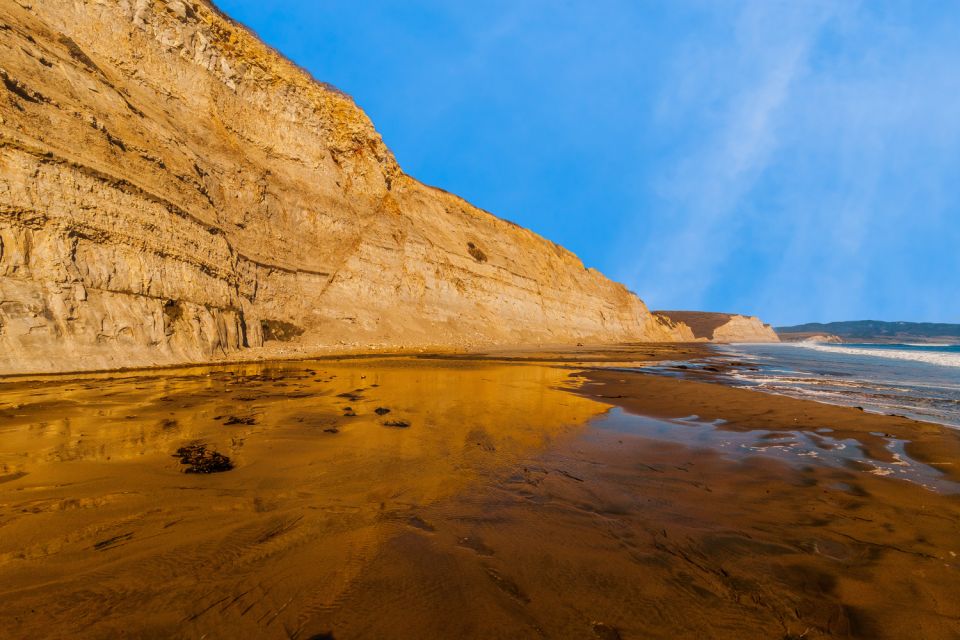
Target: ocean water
[{"x": 919, "y": 381}]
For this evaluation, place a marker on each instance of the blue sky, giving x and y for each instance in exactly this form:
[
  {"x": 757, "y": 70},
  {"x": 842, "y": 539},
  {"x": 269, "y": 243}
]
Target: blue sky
[{"x": 799, "y": 160}]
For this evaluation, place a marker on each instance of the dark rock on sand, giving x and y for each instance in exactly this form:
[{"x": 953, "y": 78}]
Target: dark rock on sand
[
  {"x": 381, "y": 411},
  {"x": 202, "y": 460},
  {"x": 400, "y": 424}
]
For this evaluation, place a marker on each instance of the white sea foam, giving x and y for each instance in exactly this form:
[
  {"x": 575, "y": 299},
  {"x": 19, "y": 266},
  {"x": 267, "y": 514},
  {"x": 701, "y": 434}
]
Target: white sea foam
[
  {"x": 929, "y": 344},
  {"x": 930, "y": 357}
]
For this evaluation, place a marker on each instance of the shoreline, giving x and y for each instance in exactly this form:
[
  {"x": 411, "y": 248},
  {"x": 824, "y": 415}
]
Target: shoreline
[
  {"x": 926, "y": 394},
  {"x": 639, "y": 352},
  {"x": 745, "y": 409}
]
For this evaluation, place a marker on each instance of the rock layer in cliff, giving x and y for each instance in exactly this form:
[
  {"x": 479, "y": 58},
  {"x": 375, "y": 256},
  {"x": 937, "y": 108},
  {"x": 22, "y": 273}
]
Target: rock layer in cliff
[{"x": 172, "y": 190}]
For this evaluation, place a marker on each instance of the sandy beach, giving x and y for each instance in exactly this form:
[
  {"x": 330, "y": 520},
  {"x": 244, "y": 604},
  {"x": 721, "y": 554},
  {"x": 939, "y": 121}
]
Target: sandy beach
[{"x": 525, "y": 494}]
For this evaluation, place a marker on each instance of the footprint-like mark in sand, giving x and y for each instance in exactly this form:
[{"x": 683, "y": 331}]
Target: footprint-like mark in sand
[
  {"x": 475, "y": 544},
  {"x": 507, "y": 585}
]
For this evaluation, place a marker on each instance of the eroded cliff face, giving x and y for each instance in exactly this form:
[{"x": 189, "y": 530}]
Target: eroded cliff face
[
  {"x": 172, "y": 190},
  {"x": 722, "y": 327}
]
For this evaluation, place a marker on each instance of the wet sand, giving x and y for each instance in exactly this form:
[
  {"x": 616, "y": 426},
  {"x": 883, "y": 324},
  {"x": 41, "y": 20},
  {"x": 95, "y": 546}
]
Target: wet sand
[{"x": 530, "y": 495}]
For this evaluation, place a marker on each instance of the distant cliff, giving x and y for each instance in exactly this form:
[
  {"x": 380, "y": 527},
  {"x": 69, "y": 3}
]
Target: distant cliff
[
  {"x": 876, "y": 331},
  {"x": 827, "y": 338},
  {"x": 723, "y": 327},
  {"x": 172, "y": 190}
]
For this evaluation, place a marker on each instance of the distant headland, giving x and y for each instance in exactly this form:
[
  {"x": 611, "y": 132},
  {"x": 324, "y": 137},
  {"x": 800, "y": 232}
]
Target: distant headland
[{"x": 871, "y": 331}]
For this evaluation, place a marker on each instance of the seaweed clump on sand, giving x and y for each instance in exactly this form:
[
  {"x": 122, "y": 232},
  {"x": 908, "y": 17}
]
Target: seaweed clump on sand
[{"x": 202, "y": 460}]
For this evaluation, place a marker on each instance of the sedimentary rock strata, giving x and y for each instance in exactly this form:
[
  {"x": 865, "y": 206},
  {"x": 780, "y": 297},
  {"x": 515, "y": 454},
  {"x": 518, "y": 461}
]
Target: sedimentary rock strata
[
  {"x": 172, "y": 190},
  {"x": 723, "y": 327}
]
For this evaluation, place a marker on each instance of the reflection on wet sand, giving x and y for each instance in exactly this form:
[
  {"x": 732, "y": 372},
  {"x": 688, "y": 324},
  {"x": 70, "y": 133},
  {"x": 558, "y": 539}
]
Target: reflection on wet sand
[
  {"x": 102, "y": 532},
  {"x": 409, "y": 498},
  {"x": 794, "y": 447}
]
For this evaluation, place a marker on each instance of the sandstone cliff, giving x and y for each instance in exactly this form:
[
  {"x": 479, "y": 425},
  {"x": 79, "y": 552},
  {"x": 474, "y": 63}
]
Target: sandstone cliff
[
  {"x": 172, "y": 190},
  {"x": 723, "y": 327}
]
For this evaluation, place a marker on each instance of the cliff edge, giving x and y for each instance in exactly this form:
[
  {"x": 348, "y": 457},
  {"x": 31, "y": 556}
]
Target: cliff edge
[
  {"x": 172, "y": 190},
  {"x": 722, "y": 327}
]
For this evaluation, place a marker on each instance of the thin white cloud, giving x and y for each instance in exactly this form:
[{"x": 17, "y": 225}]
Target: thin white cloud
[
  {"x": 823, "y": 185},
  {"x": 740, "y": 88}
]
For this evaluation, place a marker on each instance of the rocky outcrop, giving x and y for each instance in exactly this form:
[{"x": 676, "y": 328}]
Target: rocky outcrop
[
  {"x": 819, "y": 338},
  {"x": 722, "y": 327},
  {"x": 172, "y": 190}
]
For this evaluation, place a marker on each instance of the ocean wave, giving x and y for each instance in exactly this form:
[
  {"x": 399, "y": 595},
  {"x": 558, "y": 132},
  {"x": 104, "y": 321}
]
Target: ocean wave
[
  {"x": 932, "y": 345},
  {"x": 815, "y": 382},
  {"x": 894, "y": 379},
  {"x": 930, "y": 357}
]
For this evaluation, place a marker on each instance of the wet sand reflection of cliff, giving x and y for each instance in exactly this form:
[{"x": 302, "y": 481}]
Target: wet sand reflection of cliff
[{"x": 94, "y": 507}]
